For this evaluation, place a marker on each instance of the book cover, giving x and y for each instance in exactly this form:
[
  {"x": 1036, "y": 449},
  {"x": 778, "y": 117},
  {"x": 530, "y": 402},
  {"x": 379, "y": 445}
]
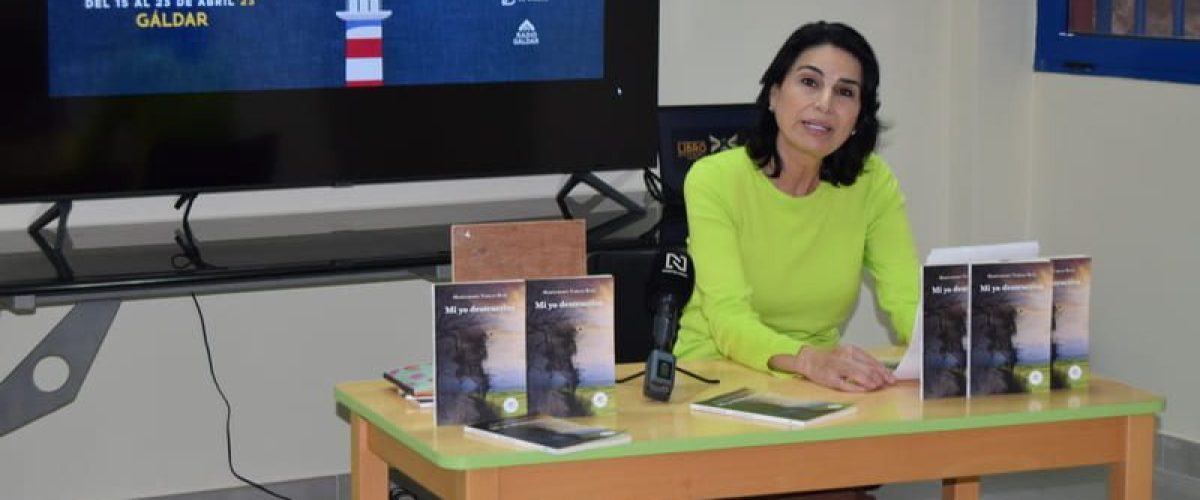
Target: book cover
[
  {"x": 946, "y": 306},
  {"x": 1011, "y": 305},
  {"x": 479, "y": 351},
  {"x": 569, "y": 346},
  {"x": 415, "y": 379},
  {"x": 1070, "y": 366},
  {"x": 549, "y": 434},
  {"x": 773, "y": 408}
]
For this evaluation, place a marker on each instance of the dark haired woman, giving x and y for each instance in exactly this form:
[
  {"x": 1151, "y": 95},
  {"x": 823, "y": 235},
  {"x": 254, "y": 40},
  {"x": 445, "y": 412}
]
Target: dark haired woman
[{"x": 781, "y": 230}]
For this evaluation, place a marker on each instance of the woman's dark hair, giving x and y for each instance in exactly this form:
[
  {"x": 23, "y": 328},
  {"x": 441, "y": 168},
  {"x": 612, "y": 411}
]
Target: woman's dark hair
[{"x": 843, "y": 166}]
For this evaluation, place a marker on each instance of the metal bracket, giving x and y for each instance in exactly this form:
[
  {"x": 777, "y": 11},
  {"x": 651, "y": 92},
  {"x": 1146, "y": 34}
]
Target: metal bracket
[{"x": 75, "y": 339}]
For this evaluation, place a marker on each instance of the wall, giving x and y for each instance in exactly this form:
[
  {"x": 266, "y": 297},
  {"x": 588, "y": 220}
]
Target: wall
[{"x": 1115, "y": 177}]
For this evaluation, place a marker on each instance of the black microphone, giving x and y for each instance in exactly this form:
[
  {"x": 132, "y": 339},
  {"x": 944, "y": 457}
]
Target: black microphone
[{"x": 671, "y": 281}]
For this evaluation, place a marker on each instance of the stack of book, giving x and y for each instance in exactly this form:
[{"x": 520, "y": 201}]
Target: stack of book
[{"x": 414, "y": 382}]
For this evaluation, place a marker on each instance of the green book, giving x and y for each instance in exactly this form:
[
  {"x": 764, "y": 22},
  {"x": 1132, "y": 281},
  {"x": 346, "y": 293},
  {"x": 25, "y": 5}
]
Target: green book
[
  {"x": 546, "y": 433},
  {"x": 773, "y": 408}
]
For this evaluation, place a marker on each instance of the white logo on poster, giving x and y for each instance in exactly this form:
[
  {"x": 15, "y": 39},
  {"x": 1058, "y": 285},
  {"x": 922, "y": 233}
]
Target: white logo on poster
[
  {"x": 526, "y": 34},
  {"x": 511, "y": 405},
  {"x": 600, "y": 400},
  {"x": 510, "y": 3},
  {"x": 676, "y": 262},
  {"x": 1035, "y": 377}
]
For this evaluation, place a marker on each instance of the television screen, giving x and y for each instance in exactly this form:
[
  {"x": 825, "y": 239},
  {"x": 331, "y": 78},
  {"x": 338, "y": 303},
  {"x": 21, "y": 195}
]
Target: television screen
[{"x": 129, "y": 97}]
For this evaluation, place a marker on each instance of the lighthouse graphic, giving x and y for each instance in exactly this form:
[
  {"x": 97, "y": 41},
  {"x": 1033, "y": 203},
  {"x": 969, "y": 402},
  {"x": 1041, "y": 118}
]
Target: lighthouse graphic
[{"x": 364, "y": 42}]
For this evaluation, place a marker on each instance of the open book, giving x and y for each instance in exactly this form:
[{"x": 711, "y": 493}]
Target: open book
[
  {"x": 549, "y": 434},
  {"x": 773, "y": 408}
]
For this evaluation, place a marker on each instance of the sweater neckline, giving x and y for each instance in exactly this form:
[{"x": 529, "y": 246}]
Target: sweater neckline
[{"x": 778, "y": 194}]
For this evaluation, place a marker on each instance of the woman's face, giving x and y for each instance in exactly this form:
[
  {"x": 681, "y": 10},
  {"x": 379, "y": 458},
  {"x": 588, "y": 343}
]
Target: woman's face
[{"x": 817, "y": 104}]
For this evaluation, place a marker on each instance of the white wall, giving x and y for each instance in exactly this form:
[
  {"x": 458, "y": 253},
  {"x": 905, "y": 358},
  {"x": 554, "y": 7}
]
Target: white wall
[
  {"x": 964, "y": 109},
  {"x": 1115, "y": 176}
]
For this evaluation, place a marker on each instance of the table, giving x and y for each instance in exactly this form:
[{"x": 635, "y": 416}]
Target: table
[{"x": 893, "y": 437}]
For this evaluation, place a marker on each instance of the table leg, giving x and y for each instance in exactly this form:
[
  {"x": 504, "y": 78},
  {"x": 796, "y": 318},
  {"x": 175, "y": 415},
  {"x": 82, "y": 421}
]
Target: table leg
[
  {"x": 1132, "y": 478},
  {"x": 368, "y": 472},
  {"x": 960, "y": 488}
]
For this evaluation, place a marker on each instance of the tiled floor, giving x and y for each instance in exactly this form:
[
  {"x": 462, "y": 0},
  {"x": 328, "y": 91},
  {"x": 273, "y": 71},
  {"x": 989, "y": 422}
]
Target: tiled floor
[
  {"x": 1087, "y": 483},
  {"x": 1084, "y": 483}
]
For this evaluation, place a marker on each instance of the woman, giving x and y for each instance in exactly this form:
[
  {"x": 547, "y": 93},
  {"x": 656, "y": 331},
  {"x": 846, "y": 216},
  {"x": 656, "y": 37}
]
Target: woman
[{"x": 781, "y": 229}]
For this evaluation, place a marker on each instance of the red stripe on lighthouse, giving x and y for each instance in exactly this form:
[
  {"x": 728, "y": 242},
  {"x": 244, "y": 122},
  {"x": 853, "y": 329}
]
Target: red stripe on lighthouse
[{"x": 364, "y": 47}]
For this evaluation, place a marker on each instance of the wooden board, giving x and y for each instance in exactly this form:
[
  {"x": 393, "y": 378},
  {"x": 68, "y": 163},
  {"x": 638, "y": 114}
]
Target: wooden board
[{"x": 511, "y": 250}]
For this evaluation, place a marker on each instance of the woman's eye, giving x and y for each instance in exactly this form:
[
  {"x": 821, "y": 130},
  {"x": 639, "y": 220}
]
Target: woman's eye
[
  {"x": 846, "y": 92},
  {"x": 808, "y": 81}
]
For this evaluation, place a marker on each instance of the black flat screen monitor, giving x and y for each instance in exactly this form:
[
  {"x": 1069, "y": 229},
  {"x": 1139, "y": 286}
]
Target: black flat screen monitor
[{"x": 106, "y": 98}]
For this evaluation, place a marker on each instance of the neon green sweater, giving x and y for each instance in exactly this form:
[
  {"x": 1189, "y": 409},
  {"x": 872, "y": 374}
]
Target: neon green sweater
[{"x": 776, "y": 272}]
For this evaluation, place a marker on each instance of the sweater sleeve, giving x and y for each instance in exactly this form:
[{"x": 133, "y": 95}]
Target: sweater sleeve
[
  {"x": 890, "y": 255},
  {"x": 736, "y": 328}
]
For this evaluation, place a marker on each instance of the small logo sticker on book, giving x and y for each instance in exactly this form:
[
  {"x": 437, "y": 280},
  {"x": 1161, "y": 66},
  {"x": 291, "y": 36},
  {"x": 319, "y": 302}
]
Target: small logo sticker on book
[{"x": 1035, "y": 377}]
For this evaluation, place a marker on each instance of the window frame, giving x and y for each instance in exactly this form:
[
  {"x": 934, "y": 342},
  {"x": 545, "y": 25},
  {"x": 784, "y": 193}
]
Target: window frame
[{"x": 1060, "y": 51}]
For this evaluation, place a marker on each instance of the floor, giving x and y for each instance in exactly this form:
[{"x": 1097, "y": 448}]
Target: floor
[{"x": 1085, "y": 483}]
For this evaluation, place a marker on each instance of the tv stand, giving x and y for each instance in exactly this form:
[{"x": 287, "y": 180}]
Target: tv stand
[
  {"x": 142, "y": 260},
  {"x": 54, "y": 253},
  {"x": 186, "y": 240},
  {"x": 600, "y": 186}
]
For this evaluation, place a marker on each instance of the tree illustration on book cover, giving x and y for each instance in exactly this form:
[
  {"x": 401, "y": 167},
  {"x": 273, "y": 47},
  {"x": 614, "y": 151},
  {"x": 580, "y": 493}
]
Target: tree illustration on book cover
[
  {"x": 479, "y": 359},
  {"x": 1011, "y": 304},
  {"x": 1072, "y": 290},
  {"x": 569, "y": 346},
  {"x": 947, "y": 294}
]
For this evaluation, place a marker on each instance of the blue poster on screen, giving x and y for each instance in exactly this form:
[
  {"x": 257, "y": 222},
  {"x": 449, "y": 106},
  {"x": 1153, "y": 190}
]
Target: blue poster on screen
[{"x": 132, "y": 47}]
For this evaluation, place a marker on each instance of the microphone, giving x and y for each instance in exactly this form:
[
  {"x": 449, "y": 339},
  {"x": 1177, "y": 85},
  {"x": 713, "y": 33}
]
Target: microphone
[{"x": 671, "y": 281}]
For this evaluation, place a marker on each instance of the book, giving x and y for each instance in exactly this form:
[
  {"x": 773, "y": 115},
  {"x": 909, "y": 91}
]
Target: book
[
  {"x": 414, "y": 382},
  {"x": 571, "y": 368},
  {"x": 479, "y": 351},
  {"x": 1011, "y": 304},
  {"x": 412, "y": 379},
  {"x": 946, "y": 294},
  {"x": 773, "y": 408},
  {"x": 549, "y": 434},
  {"x": 1069, "y": 362}
]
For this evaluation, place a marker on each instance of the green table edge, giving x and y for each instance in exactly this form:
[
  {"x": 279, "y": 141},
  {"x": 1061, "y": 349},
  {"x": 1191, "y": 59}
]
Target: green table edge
[{"x": 771, "y": 435}]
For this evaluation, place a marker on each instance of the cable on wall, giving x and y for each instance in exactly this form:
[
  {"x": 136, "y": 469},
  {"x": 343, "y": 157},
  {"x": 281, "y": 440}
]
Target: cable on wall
[{"x": 228, "y": 409}]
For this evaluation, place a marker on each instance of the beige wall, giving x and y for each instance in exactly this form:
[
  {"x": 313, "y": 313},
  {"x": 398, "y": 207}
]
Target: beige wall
[
  {"x": 964, "y": 107},
  {"x": 1115, "y": 176}
]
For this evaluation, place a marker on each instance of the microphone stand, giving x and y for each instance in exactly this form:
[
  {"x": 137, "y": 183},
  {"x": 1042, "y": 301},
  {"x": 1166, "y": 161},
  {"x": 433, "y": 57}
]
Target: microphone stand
[{"x": 678, "y": 368}]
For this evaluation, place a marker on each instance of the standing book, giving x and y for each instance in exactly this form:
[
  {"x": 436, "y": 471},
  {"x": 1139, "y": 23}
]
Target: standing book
[
  {"x": 479, "y": 351},
  {"x": 549, "y": 434},
  {"x": 569, "y": 346},
  {"x": 946, "y": 294},
  {"x": 1011, "y": 305},
  {"x": 773, "y": 408},
  {"x": 1070, "y": 367}
]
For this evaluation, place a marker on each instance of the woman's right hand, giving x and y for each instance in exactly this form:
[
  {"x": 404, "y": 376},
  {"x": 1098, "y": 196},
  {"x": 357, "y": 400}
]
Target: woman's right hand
[{"x": 845, "y": 368}]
